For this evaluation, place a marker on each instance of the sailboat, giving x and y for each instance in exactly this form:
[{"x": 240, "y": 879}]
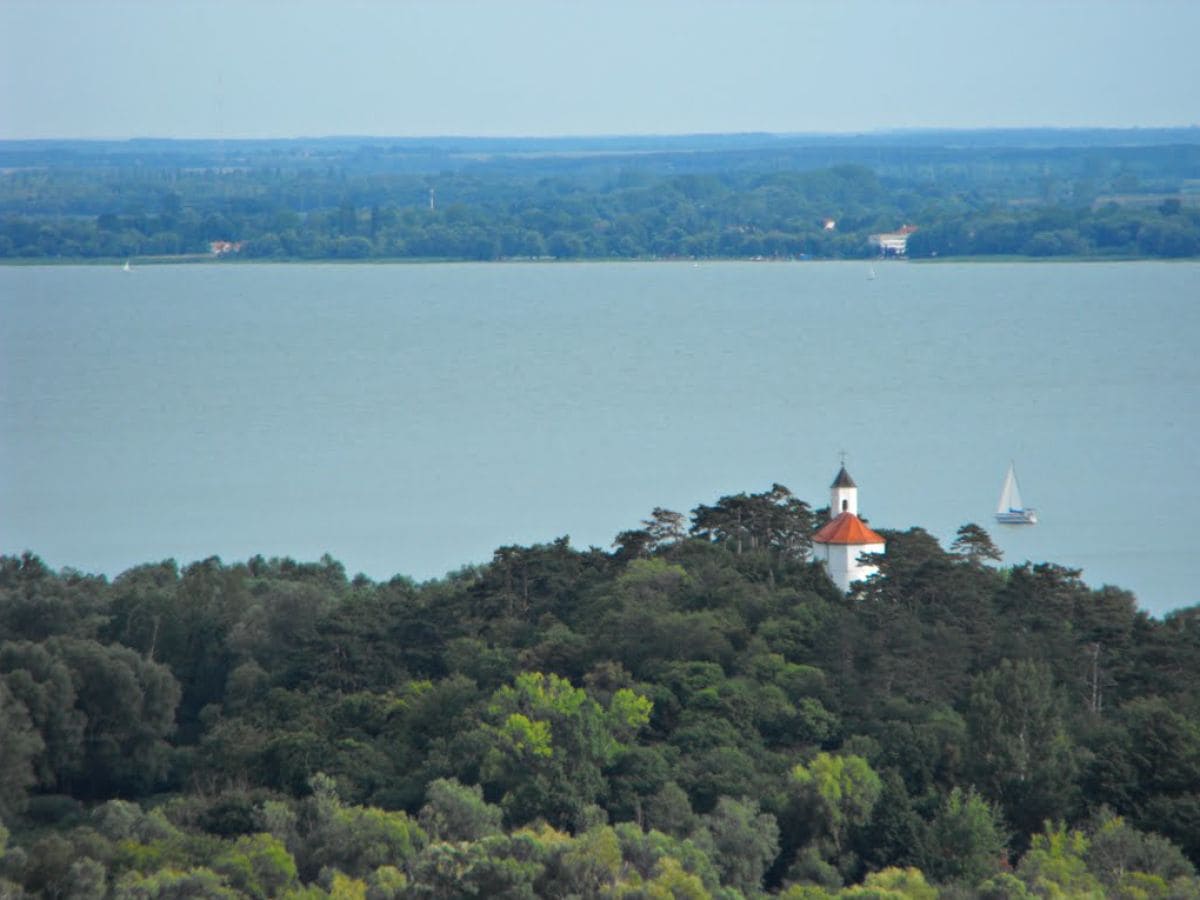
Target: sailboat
[
  {"x": 1010, "y": 510},
  {"x": 127, "y": 267}
]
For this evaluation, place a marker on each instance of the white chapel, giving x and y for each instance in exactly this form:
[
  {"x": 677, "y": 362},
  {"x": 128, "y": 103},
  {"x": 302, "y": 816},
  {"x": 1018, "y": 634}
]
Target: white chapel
[{"x": 845, "y": 537}]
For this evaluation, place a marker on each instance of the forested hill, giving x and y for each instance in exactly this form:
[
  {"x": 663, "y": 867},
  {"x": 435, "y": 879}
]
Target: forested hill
[
  {"x": 696, "y": 713},
  {"x": 1037, "y": 193}
]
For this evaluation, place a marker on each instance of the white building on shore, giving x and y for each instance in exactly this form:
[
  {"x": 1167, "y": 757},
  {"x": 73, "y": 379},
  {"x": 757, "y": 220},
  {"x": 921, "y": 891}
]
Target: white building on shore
[{"x": 893, "y": 243}]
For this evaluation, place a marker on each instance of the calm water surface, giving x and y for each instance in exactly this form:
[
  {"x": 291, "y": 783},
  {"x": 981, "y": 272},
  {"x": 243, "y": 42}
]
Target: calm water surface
[{"x": 410, "y": 419}]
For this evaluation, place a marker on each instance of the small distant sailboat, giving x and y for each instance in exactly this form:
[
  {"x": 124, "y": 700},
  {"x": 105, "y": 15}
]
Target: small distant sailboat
[
  {"x": 127, "y": 267},
  {"x": 871, "y": 274},
  {"x": 1010, "y": 510}
]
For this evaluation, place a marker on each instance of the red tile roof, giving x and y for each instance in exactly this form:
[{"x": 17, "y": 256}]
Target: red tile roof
[{"x": 847, "y": 528}]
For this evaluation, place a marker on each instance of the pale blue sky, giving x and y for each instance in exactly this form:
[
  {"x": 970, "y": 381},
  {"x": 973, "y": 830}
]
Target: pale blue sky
[{"x": 252, "y": 68}]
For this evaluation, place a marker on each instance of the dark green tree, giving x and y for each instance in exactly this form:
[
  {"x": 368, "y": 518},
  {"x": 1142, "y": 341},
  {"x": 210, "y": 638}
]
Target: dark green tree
[
  {"x": 129, "y": 707},
  {"x": 1019, "y": 753},
  {"x": 975, "y": 545},
  {"x": 19, "y": 745}
]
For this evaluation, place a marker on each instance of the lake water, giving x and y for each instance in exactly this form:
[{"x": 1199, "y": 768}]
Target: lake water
[{"x": 411, "y": 418}]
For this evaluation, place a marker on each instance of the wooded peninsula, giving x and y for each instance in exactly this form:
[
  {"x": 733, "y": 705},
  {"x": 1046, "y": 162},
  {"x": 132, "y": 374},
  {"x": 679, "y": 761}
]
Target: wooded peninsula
[
  {"x": 694, "y": 712},
  {"x": 1016, "y": 193}
]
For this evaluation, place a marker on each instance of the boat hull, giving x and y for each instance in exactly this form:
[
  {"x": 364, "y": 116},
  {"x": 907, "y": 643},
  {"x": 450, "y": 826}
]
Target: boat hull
[{"x": 1017, "y": 517}]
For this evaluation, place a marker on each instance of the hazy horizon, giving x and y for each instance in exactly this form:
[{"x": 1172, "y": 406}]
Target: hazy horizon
[
  {"x": 128, "y": 69},
  {"x": 609, "y": 136}
]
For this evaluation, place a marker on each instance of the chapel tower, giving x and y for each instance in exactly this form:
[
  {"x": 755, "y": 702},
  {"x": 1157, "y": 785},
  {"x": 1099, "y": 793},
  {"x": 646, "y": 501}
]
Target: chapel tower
[{"x": 845, "y": 537}]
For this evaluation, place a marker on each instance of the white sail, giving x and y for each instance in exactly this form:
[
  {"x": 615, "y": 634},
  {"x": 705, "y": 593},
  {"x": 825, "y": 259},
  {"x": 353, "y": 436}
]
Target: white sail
[{"x": 1010, "y": 494}]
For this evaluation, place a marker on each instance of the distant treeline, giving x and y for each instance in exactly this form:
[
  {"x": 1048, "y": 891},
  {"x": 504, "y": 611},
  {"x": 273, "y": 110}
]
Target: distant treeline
[
  {"x": 738, "y": 198},
  {"x": 696, "y": 713}
]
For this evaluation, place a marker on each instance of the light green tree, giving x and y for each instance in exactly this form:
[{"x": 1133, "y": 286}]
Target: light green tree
[
  {"x": 354, "y": 839},
  {"x": 643, "y": 852},
  {"x": 455, "y": 812},
  {"x": 966, "y": 841},
  {"x": 744, "y": 842},
  {"x": 258, "y": 865},
  {"x": 495, "y": 866},
  {"x": 672, "y": 882},
  {"x": 386, "y": 883},
  {"x": 174, "y": 884},
  {"x": 840, "y": 790},
  {"x": 593, "y": 863},
  {"x": 893, "y": 884},
  {"x": 1055, "y": 866},
  {"x": 548, "y": 741},
  {"x": 1120, "y": 856}
]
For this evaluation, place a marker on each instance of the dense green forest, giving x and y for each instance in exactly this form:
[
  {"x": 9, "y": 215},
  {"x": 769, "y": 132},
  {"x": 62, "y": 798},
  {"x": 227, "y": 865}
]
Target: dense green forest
[
  {"x": 695, "y": 712},
  {"x": 1037, "y": 194}
]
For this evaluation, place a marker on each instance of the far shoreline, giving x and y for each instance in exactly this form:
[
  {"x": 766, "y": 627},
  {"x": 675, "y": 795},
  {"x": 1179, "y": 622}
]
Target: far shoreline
[{"x": 199, "y": 259}]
